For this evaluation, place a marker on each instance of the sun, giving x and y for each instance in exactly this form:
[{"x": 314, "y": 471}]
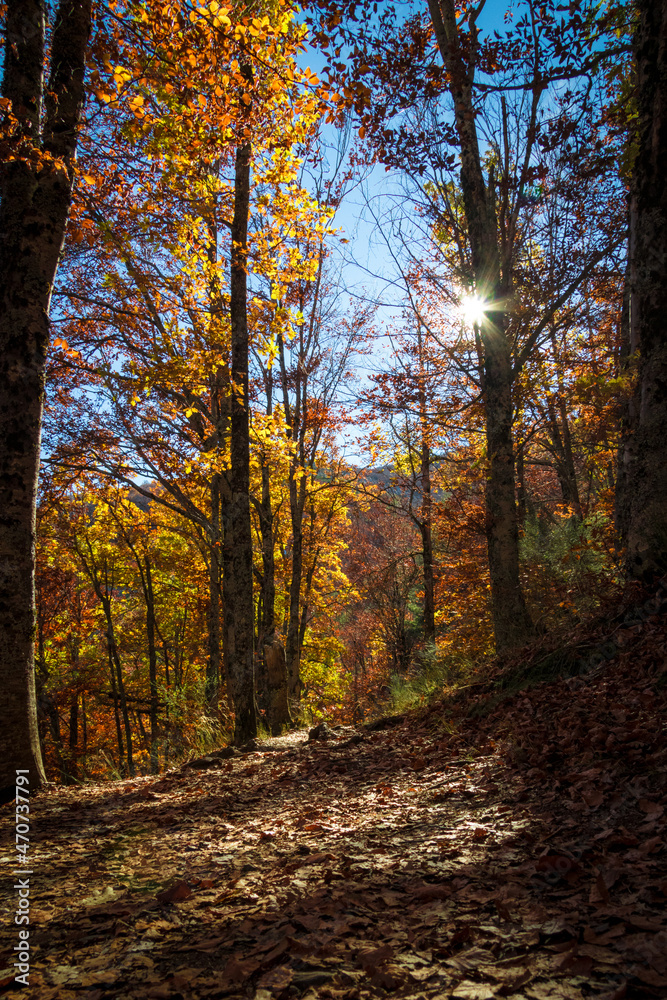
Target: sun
[{"x": 473, "y": 309}]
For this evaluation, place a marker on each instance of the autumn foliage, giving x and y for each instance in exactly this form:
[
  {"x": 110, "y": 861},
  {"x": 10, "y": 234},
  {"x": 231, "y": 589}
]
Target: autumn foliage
[{"x": 370, "y": 560}]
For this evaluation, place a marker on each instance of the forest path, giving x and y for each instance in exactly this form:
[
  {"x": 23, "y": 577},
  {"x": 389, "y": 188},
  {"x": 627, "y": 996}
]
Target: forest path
[{"x": 503, "y": 858}]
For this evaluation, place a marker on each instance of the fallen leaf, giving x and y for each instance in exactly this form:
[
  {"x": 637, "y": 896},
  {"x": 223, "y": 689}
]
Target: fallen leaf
[
  {"x": 101, "y": 896},
  {"x": 653, "y": 809},
  {"x": 471, "y": 991},
  {"x": 175, "y": 893},
  {"x": 277, "y": 979},
  {"x": 238, "y": 972},
  {"x": 371, "y": 959}
]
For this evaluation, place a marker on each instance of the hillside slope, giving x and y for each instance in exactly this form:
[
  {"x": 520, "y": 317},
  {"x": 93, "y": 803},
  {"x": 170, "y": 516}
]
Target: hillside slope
[{"x": 518, "y": 854}]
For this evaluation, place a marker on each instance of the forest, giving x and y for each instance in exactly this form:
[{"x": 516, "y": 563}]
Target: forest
[
  {"x": 333, "y": 498},
  {"x": 337, "y": 395}
]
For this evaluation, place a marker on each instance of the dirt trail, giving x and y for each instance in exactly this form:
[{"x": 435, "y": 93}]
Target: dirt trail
[{"x": 469, "y": 861}]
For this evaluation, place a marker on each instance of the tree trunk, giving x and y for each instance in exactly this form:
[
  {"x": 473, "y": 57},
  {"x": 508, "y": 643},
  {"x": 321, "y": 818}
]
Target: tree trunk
[
  {"x": 36, "y": 195},
  {"x": 292, "y": 649},
  {"x": 213, "y": 671},
  {"x": 267, "y": 601},
  {"x": 521, "y": 493},
  {"x": 268, "y": 559},
  {"x": 627, "y": 362},
  {"x": 73, "y": 738},
  {"x": 425, "y": 518},
  {"x": 84, "y": 734},
  {"x": 116, "y": 713},
  {"x": 297, "y": 499},
  {"x": 273, "y": 680},
  {"x": 103, "y": 585},
  {"x": 645, "y": 457},
  {"x": 237, "y": 576},
  {"x": 558, "y": 430},
  {"x": 152, "y": 667},
  {"x": 115, "y": 664},
  {"x": 278, "y": 713},
  {"x": 511, "y": 621}
]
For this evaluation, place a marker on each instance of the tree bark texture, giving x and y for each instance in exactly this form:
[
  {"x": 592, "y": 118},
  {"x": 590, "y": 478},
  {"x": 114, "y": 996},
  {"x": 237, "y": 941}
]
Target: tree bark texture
[
  {"x": 278, "y": 713},
  {"x": 297, "y": 491},
  {"x": 511, "y": 621},
  {"x": 117, "y": 670},
  {"x": 272, "y": 682},
  {"x": 426, "y": 532},
  {"x": 426, "y": 518},
  {"x": 297, "y": 498},
  {"x": 33, "y": 213},
  {"x": 627, "y": 361},
  {"x": 237, "y": 576},
  {"x": 644, "y": 458},
  {"x": 213, "y": 671},
  {"x": 152, "y": 665}
]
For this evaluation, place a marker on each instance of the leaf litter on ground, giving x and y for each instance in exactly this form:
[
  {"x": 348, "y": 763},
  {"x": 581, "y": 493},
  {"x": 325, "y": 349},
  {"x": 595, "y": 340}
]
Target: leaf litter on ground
[{"x": 519, "y": 854}]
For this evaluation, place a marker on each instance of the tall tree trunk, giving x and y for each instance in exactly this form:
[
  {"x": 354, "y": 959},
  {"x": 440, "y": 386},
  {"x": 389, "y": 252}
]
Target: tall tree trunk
[
  {"x": 558, "y": 430},
  {"x": 511, "y": 622},
  {"x": 273, "y": 678},
  {"x": 84, "y": 734},
  {"x": 627, "y": 364},
  {"x": 115, "y": 664},
  {"x": 152, "y": 666},
  {"x": 277, "y": 711},
  {"x": 237, "y": 576},
  {"x": 268, "y": 558},
  {"x": 292, "y": 647},
  {"x": 645, "y": 458},
  {"x": 425, "y": 517},
  {"x": 427, "y": 558},
  {"x": 220, "y": 390},
  {"x": 116, "y": 713},
  {"x": 35, "y": 199},
  {"x": 213, "y": 663},
  {"x": 146, "y": 576},
  {"x": 102, "y": 581},
  {"x": 521, "y": 493},
  {"x": 73, "y": 738}
]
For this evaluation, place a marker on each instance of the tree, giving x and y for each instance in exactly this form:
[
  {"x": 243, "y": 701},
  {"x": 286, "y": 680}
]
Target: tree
[
  {"x": 39, "y": 136},
  {"x": 208, "y": 212},
  {"x": 511, "y": 619},
  {"x": 642, "y": 495},
  {"x": 504, "y": 109},
  {"x": 407, "y": 399}
]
